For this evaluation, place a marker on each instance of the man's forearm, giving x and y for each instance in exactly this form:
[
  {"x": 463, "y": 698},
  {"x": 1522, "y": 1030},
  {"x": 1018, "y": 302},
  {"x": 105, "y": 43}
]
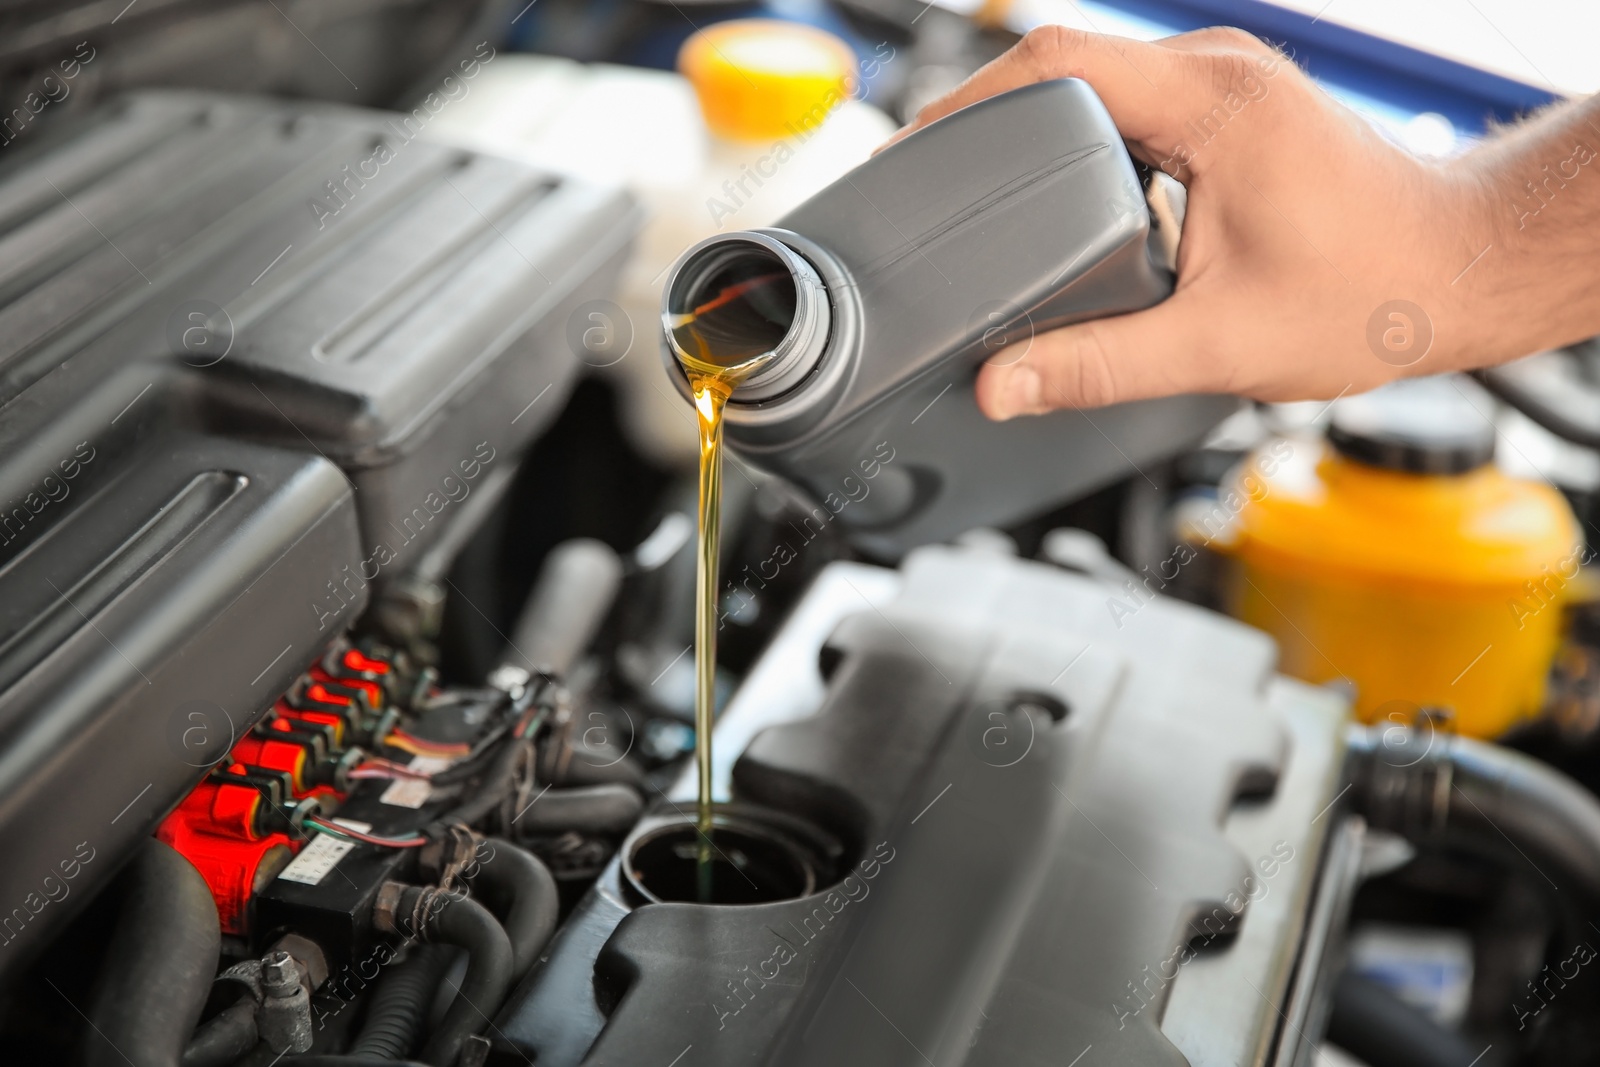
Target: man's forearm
[{"x": 1531, "y": 284}]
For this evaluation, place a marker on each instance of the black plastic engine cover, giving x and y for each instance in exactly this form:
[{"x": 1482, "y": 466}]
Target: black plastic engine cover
[
  {"x": 253, "y": 358},
  {"x": 1037, "y": 803},
  {"x": 160, "y": 605}
]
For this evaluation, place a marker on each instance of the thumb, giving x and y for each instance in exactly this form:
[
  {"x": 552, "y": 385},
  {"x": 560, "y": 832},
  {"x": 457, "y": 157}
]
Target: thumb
[{"x": 1106, "y": 361}]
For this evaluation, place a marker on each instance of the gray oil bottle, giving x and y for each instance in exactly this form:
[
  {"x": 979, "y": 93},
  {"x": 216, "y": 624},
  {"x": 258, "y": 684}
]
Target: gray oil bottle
[{"x": 873, "y": 304}]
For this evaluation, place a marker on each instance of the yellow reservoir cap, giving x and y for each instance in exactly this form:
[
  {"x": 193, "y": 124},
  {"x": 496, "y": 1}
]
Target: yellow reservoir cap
[
  {"x": 760, "y": 79},
  {"x": 1433, "y": 590}
]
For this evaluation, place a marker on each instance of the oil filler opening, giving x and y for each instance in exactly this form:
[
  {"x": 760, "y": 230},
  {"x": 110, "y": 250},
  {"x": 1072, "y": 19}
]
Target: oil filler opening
[
  {"x": 754, "y": 860},
  {"x": 741, "y": 297}
]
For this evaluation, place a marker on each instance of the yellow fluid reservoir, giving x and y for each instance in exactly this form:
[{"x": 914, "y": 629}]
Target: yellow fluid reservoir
[
  {"x": 764, "y": 79},
  {"x": 1397, "y": 556}
]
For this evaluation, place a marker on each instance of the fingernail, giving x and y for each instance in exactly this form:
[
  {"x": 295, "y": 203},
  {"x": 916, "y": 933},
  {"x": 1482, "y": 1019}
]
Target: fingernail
[{"x": 1021, "y": 393}]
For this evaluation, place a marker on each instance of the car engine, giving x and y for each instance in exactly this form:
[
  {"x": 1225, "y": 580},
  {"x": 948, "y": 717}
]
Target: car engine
[{"x": 345, "y": 679}]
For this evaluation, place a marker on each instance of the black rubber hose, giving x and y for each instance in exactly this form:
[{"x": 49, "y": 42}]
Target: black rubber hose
[
  {"x": 523, "y": 893},
  {"x": 1497, "y": 794},
  {"x": 593, "y": 809},
  {"x": 400, "y": 1003},
  {"x": 1566, "y": 406},
  {"x": 487, "y": 795},
  {"x": 225, "y": 1037},
  {"x": 159, "y": 965},
  {"x": 1382, "y": 1030},
  {"x": 1432, "y": 788},
  {"x": 578, "y": 765},
  {"x": 463, "y": 922}
]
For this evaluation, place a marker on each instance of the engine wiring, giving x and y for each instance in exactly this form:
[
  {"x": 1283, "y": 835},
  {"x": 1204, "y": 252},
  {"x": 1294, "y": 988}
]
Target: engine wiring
[
  {"x": 333, "y": 829},
  {"x": 380, "y": 767},
  {"x": 419, "y": 746},
  {"x": 506, "y": 739}
]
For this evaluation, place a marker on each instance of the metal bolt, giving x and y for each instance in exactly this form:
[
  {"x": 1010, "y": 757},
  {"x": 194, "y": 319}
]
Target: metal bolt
[
  {"x": 279, "y": 975},
  {"x": 284, "y": 1021}
]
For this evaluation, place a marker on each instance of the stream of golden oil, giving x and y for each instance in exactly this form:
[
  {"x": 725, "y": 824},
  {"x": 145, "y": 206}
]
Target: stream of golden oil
[
  {"x": 714, "y": 370},
  {"x": 711, "y": 386}
]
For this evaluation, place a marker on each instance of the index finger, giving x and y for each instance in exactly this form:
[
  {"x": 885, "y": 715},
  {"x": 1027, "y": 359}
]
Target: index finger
[{"x": 1147, "y": 88}]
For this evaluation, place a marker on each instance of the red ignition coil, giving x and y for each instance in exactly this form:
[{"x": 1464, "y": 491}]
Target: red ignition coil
[
  {"x": 218, "y": 829},
  {"x": 225, "y": 826}
]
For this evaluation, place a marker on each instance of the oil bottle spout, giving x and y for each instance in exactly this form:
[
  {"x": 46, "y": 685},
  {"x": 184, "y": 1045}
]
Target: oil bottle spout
[{"x": 748, "y": 307}]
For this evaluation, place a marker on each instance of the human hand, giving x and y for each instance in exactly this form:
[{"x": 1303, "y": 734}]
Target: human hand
[{"x": 1317, "y": 257}]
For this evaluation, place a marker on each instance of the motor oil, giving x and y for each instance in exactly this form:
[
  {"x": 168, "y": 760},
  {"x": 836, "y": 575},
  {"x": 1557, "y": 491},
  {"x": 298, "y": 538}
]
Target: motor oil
[
  {"x": 726, "y": 335},
  {"x": 881, "y": 295}
]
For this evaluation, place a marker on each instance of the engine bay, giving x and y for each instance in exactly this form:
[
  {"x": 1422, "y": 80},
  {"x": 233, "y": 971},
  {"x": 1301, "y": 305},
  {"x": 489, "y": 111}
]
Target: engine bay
[{"x": 346, "y": 680}]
